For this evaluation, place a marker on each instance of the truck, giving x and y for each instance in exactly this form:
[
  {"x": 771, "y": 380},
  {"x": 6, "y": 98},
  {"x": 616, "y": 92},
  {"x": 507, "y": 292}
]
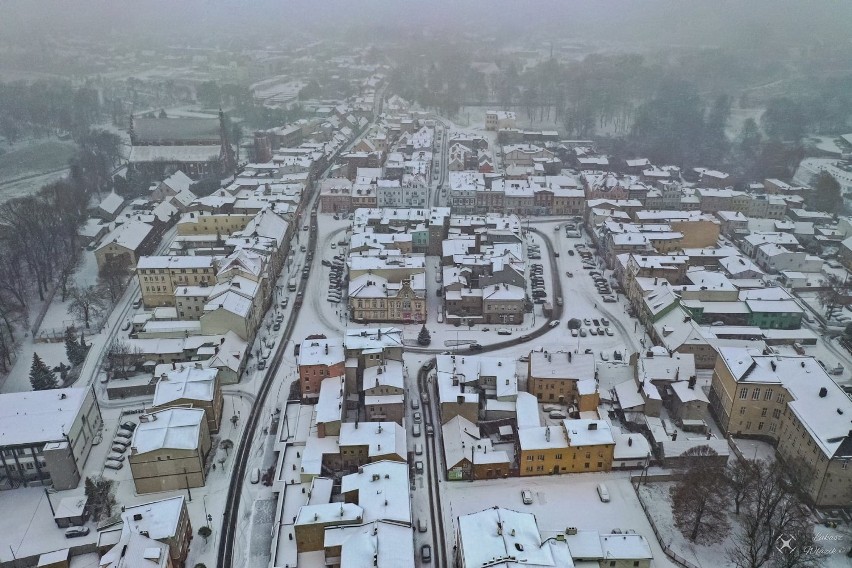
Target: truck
[{"x": 291, "y": 285}]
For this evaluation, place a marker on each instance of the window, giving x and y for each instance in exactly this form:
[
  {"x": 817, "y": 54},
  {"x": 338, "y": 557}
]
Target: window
[
  {"x": 558, "y": 456},
  {"x": 755, "y": 395},
  {"x": 742, "y": 410},
  {"x": 530, "y": 458},
  {"x": 776, "y": 413},
  {"x": 768, "y": 395},
  {"x": 764, "y": 411},
  {"x": 743, "y": 394},
  {"x": 772, "y": 426},
  {"x": 760, "y": 426},
  {"x": 748, "y": 425}
]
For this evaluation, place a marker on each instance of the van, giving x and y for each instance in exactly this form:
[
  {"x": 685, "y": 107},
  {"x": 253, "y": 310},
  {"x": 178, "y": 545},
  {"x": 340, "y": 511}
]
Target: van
[
  {"x": 418, "y": 449},
  {"x": 255, "y": 476},
  {"x": 421, "y": 525},
  {"x": 415, "y": 429},
  {"x": 603, "y": 493}
]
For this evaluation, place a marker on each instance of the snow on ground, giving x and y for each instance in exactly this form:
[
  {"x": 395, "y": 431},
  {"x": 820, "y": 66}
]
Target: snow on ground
[{"x": 558, "y": 502}]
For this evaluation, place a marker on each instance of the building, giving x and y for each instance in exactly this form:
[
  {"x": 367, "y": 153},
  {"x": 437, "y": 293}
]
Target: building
[
  {"x": 574, "y": 446},
  {"x": 160, "y": 276},
  {"x": 46, "y": 437},
  {"x": 384, "y": 390},
  {"x": 469, "y": 455},
  {"x": 199, "y": 147},
  {"x": 169, "y": 449},
  {"x": 562, "y": 377},
  {"x": 318, "y": 359},
  {"x": 373, "y": 298},
  {"x": 191, "y": 386},
  {"x": 499, "y": 120},
  {"x": 381, "y": 490},
  {"x": 503, "y": 304},
  {"x": 122, "y": 248},
  {"x": 155, "y": 534},
  {"x": 792, "y": 402}
]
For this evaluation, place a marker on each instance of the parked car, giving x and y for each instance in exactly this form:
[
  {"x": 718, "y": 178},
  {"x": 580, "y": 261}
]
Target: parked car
[
  {"x": 113, "y": 464},
  {"x": 137, "y": 303},
  {"x": 504, "y": 331},
  {"x": 583, "y": 332},
  {"x": 476, "y": 347},
  {"x": 603, "y": 493},
  {"x": 128, "y": 425},
  {"x": 605, "y": 321},
  {"x": 554, "y": 323},
  {"x": 526, "y": 497},
  {"x": 115, "y": 456},
  {"x": 418, "y": 466},
  {"x": 415, "y": 404},
  {"x": 593, "y": 331},
  {"x": 325, "y": 262},
  {"x": 426, "y": 553},
  {"x": 284, "y": 302},
  {"x": 127, "y": 432},
  {"x": 276, "y": 326},
  {"x": 74, "y": 532},
  {"x": 126, "y": 326},
  {"x": 609, "y": 299},
  {"x": 608, "y": 331},
  {"x": 418, "y": 418},
  {"x": 120, "y": 448}
]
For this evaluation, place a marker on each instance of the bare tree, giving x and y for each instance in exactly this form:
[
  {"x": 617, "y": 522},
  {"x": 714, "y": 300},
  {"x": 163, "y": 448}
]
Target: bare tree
[
  {"x": 772, "y": 510},
  {"x": 114, "y": 276},
  {"x": 834, "y": 293},
  {"x": 700, "y": 497},
  {"x": 87, "y": 303},
  {"x": 741, "y": 476},
  {"x": 121, "y": 359}
]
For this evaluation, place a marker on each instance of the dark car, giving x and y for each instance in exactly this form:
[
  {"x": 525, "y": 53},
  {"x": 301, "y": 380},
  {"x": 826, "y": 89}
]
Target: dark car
[
  {"x": 129, "y": 425},
  {"x": 476, "y": 347}
]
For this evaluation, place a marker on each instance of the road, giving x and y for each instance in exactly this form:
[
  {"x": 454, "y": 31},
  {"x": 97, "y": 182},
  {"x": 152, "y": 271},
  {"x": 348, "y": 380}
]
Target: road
[
  {"x": 232, "y": 512},
  {"x": 434, "y": 470}
]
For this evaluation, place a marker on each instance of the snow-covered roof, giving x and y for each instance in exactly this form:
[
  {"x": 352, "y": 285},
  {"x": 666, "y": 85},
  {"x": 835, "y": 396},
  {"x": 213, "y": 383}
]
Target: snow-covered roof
[
  {"x": 172, "y": 428},
  {"x": 36, "y": 417},
  {"x": 381, "y": 438},
  {"x": 377, "y": 338},
  {"x": 329, "y": 513},
  {"x": 585, "y": 432},
  {"x": 463, "y": 440},
  {"x": 526, "y": 411},
  {"x": 329, "y": 407},
  {"x": 321, "y": 352},
  {"x": 192, "y": 382},
  {"x": 175, "y": 262},
  {"x": 380, "y": 544},
  {"x": 625, "y": 546},
  {"x": 509, "y": 536},
  {"x": 684, "y": 393},
  {"x": 561, "y": 365},
  {"x": 389, "y": 373},
  {"x": 382, "y": 489},
  {"x": 160, "y": 519},
  {"x": 141, "y": 154},
  {"x": 129, "y": 235}
]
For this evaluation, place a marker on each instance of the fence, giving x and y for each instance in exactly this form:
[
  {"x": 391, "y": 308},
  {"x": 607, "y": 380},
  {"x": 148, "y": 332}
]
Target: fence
[{"x": 673, "y": 556}]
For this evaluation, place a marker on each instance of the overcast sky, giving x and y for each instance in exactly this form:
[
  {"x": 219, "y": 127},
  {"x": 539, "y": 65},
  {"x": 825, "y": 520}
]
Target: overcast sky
[{"x": 699, "y": 22}]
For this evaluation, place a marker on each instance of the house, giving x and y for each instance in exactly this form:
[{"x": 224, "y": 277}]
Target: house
[
  {"x": 159, "y": 276},
  {"x": 391, "y": 544},
  {"x": 383, "y": 390},
  {"x": 555, "y": 376},
  {"x": 499, "y": 120},
  {"x": 373, "y": 298},
  {"x": 318, "y": 359},
  {"x": 155, "y": 534},
  {"x": 574, "y": 446},
  {"x": 469, "y": 455},
  {"x": 46, "y": 436},
  {"x": 191, "y": 385},
  {"x": 381, "y": 489},
  {"x": 330, "y": 406},
  {"x": 169, "y": 449},
  {"x": 175, "y": 190},
  {"x": 122, "y": 248},
  {"x": 688, "y": 402},
  {"x": 109, "y": 207}
]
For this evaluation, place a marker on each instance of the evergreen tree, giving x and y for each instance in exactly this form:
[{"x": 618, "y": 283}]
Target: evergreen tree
[
  {"x": 41, "y": 377},
  {"x": 424, "y": 338},
  {"x": 74, "y": 350},
  {"x": 826, "y": 194}
]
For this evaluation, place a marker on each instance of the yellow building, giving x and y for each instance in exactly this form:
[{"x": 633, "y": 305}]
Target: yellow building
[
  {"x": 792, "y": 402},
  {"x": 563, "y": 377},
  {"x": 159, "y": 276},
  {"x": 168, "y": 450},
  {"x": 575, "y": 446},
  {"x": 201, "y": 223},
  {"x": 373, "y": 298}
]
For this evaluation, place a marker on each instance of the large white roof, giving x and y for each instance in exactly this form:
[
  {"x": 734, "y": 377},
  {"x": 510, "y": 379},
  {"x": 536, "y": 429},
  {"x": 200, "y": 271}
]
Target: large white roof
[
  {"x": 561, "y": 365},
  {"x": 172, "y": 428},
  {"x": 502, "y": 534},
  {"x": 39, "y": 416},
  {"x": 382, "y": 489},
  {"x": 321, "y": 352},
  {"x": 186, "y": 382}
]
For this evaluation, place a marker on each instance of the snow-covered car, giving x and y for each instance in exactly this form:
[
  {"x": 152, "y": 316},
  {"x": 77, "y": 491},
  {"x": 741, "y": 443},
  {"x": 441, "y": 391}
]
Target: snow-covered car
[
  {"x": 574, "y": 333},
  {"x": 113, "y": 464},
  {"x": 115, "y": 456},
  {"x": 608, "y": 331},
  {"x": 124, "y": 432},
  {"x": 74, "y": 532}
]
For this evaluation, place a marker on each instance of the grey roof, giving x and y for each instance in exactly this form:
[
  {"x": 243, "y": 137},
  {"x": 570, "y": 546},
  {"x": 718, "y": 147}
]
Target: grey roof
[{"x": 199, "y": 130}]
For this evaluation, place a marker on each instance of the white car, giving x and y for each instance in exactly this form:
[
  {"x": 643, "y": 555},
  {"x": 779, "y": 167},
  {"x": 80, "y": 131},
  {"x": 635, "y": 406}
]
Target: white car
[
  {"x": 554, "y": 323},
  {"x": 113, "y": 464},
  {"x": 115, "y": 456}
]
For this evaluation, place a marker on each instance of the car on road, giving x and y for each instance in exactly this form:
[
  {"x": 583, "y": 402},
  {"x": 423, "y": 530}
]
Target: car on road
[
  {"x": 418, "y": 418},
  {"x": 126, "y": 326},
  {"x": 504, "y": 331},
  {"x": 554, "y": 323},
  {"x": 303, "y": 248},
  {"x": 333, "y": 299},
  {"x": 421, "y": 524},
  {"x": 526, "y": 497},
  {"x": 285, "y": 302},
  {"x": 415, "y": 430},
  {"x": 426, "y": 553},
  {"x": 117, "y": 456},
  {"x": 418, "y": 466},
  {"x": 305, "y": 227},
  {"x": 276, "y": 326},
  {"x": 476, "y": 347},
  {"x": 137, "y": 303},
  {"x": 569, "y": 274},
  {"x": 430, "y": 430},
  {"x": 559, "y": 301},
  {"x": 525, "y": 337},
  {"x": 604, "y": 356},
  {"x": 415, "y": 404},
  {"x": 74, "y": 532},
  {"x": 325, "y": 262},
  {"x": 609, "y": 299}
]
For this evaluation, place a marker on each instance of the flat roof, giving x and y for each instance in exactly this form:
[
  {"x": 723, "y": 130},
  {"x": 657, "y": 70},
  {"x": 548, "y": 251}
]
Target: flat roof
[{"x": 37, "y": 417}]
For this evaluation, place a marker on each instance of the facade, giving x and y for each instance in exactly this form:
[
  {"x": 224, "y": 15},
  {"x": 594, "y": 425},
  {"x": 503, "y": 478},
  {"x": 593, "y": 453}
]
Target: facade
[
  {"x": 789, "y": 401},
  {"x": 574, "y": 446},
  {"x": 169, "y": 449},
  {"x": 556, "y": 377},
  {"x": 46, "y": 436},
  {"x": 123, "y": 247},
  {"x": 503, "y": 304},
  {"x": 163, "y": 525},
  {"x": 159, "y": 276},
  {"x": 375, "y": 299}
]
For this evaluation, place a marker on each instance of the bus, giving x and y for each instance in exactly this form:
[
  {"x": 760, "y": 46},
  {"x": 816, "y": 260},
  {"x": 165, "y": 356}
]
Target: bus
[{"x": 291, "y": 285}]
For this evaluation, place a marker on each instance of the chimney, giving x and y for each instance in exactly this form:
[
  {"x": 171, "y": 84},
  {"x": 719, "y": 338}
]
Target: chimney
[
  {"x": 547, "y": 433},
  {"x": 326, "y": 348},
  {"x": 823, "y": 392}
]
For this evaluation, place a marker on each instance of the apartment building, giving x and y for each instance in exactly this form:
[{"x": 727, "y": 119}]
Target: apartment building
[
  {"x": 191, "y": 385},
  {"x": 574, "y": 446},
  {"x": 46, "y": 437},
  {"x": 375, "y": 299},
  {"x": 160, "y": 276},
  {"x": 318, "y": 359},
  {"x": 789, "y": 401},
  {"x": 169, "y": 449},
  {"x": 563, "y": 377}
]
